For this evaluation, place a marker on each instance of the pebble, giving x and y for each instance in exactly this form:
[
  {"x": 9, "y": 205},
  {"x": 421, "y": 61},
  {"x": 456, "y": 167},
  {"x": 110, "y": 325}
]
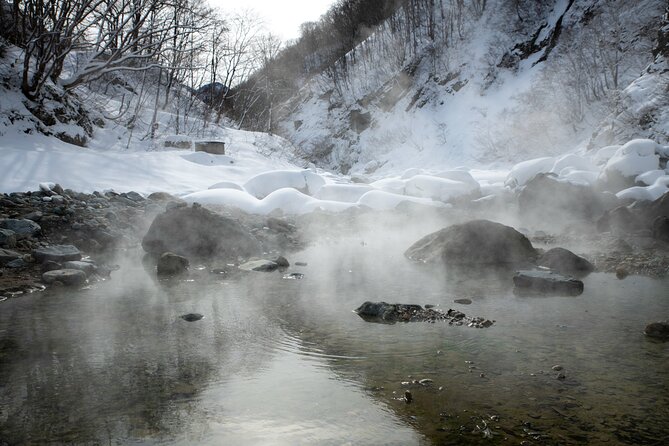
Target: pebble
[
  {"x": 192, "y": 317},
  {"x": 463, "y": 301}
]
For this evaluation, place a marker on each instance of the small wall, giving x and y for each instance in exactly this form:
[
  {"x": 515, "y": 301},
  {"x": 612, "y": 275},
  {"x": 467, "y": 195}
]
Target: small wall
[{"x": 213, "y": 147}]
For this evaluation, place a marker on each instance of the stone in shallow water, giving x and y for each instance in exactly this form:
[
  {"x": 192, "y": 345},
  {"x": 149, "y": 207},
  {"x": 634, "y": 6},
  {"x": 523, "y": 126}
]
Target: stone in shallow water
[
  {"x": 171, "y": 264},
  {"x": 478, "y": 242},
  {"x": 259, "y": 265},
  {"x": 463, "y": 301},
  {"x": 57, "y": 253},
  {"x": 65, "y": 276},
  {"x": 565, "y": 262},
  {"x": 658, "y": 330},
  {"x": 87, "y": 267},
  {"x": 192, "y": 317},
  {"x": 547, "y": 282}
]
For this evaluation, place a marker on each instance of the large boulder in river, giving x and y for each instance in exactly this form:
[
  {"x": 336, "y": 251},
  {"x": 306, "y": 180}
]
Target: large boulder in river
[
  {"x": 548, "y": 199},
  {"x": 474, "y": 242},
  {"x": 200, "y": 233},
  {"x": 565, "y": 262}
]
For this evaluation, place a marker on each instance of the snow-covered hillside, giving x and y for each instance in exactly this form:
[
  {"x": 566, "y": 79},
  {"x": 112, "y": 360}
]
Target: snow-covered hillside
[{"x": 498, "y": 86}]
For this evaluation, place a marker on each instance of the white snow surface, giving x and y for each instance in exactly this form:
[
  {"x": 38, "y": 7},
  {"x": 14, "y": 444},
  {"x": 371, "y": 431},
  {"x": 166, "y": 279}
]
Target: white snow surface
[{"x": 255, "y": 182}]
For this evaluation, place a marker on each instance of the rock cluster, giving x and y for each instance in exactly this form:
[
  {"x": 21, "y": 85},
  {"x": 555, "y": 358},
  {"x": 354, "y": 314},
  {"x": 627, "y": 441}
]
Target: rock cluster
[{"x": 390, "y": 313}]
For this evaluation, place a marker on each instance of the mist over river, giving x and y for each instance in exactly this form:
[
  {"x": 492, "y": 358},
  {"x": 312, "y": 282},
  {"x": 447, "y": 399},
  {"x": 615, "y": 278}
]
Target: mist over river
[{"x": 286, "y": 361}]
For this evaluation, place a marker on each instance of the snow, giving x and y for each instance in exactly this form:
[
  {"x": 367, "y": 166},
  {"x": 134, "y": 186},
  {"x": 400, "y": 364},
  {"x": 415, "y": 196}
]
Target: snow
[
  {"x": 441, "y": 189},
  {"x": 524, "y": 171},
  {"x": 348, "y": 193},
  {"x": 650, "y": 193},
  {"x": 634, "y": 158},
  {"x": 207, "y": 159},
  {"x": 264, "y": 184}
]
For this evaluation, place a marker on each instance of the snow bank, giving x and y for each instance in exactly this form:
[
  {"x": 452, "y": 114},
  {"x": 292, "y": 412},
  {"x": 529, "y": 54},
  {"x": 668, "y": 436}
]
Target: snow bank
[
  {"x": 264, "y": 184},
  {"x": 348, "y": 193},
  {"x": 523, "y": 172},
  {"x": 650, "y": 193},
  {"x": 226, "y": 185},
  {"x": 381, "y": 200},
  {"x": 208, "y": 159},
  {"x": 441, "y": 189},
  {"x": 634, "y": 158}
]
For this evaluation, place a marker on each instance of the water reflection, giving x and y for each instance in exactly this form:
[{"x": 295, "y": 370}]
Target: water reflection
[{"x": 287, "y": 361}]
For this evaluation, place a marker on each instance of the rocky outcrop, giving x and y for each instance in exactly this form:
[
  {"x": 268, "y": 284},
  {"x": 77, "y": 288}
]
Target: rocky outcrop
[
  {"x": 476, "y": 242},
  {"x": 199, "y": 233}
]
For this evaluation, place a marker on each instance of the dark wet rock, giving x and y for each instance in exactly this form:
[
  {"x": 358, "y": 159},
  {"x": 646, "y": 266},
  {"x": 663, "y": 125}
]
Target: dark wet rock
[
  {"x": 50, "y": 265},
  {"x": 16, "y": 263},
  {"x": 133, "y": 196},
  {"x": 658, "y": 330},
  {"x": 475, "y": 242},
  {"x": 660, "y": 228},
  {"x": 463, "y": 301},
  {"x": 22, "y": 227},
  {"x": 384, "y": 312},
  {"x": 170, "y": 264},
  {"x": 620, "y": 220},
  {"x": 294, "y": 276},
  {"x": 7, "y": 238},
  {"x": 281, "y": 226},
  {"x": 301, "y": 264},
  {"x": 34, "y": 216},
  {"x": 621, "y": 272},
  {"x": 259, "y": 265},
  {"x": 87, "y": 267},
  {"x": 549, "y": 198},
  {"x": 7, "y": 256},
  {"x": 565, "y": 262},
  {"x": 200, "y": 233},
  {"x": 162, "y": 196},
  {"x": 192, "y": 317},
  {"x": 175, "y": 205},
  {"x": 57, "y": 253},
  {"x": 71, "y": 277},
  {"x": 546, "y": 282},
  {"x": 282, "y": 262}
]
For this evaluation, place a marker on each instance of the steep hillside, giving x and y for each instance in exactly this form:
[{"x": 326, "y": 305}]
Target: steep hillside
[{"x": 493, "y": 81}]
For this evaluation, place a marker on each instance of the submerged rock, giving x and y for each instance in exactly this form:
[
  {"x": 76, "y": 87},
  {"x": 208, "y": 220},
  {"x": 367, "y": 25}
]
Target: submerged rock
[
  {"x": 170, "y": 264},
  {"x": 565, "y": 262},
  {"x": 474, "y": 242},
  {"x": 65, "y": 276},
  {"x": 198, "y": 232},
  {"x": 658, "y": 330},
  {"x": 547, "y": 282},
  {"x": 192, "y": 317}
]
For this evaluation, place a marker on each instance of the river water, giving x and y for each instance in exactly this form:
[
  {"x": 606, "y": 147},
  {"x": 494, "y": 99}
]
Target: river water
[{"x": 286, "y": 362}]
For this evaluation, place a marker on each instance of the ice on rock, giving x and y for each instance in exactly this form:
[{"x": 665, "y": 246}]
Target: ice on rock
[
  {"x": 523, "y": 172},
  {"x": 264, "y": 184},
  {"x": 636, "y": 157}
]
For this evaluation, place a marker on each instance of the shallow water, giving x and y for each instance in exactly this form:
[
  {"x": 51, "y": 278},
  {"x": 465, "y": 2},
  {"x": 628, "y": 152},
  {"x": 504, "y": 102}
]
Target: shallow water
[{"x": 287, "y": 362}]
